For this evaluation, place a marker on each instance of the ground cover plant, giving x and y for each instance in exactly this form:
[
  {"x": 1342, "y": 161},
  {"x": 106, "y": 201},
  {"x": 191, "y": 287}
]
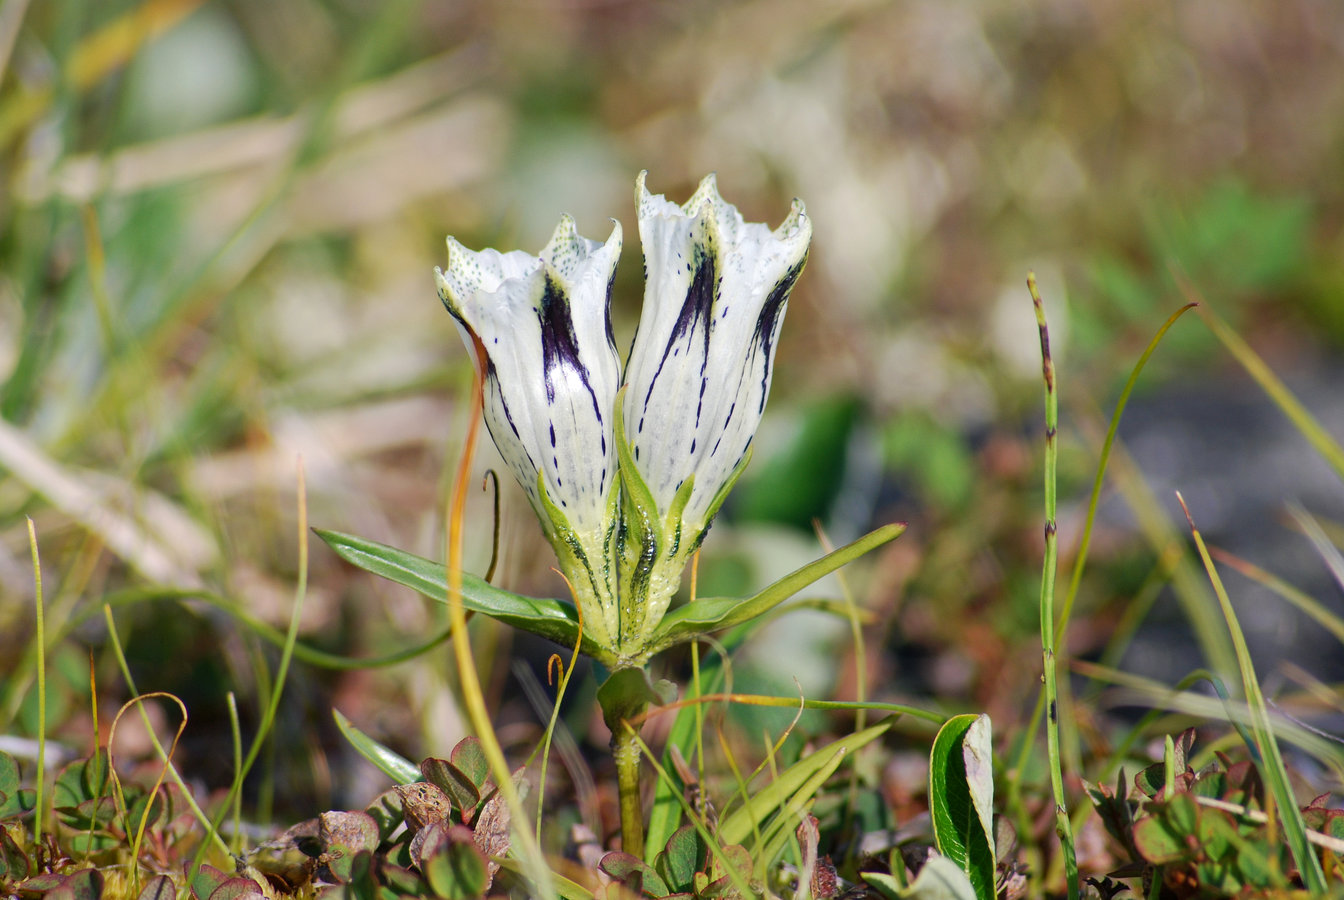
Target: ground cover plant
[{"x": 867, "y": 679}]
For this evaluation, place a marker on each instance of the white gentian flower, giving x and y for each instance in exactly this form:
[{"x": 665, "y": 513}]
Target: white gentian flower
[
  {"x": 698, "y": 375},
  {"x": 540, "y": 329},
  {"x": 626, "y": 484}
]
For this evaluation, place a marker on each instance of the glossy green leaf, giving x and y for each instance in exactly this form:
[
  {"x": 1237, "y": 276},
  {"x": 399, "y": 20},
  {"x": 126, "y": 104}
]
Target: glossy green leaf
[
  {"x": 556, "y": 620},
  {"x": 714, "y": 613},
  {"x": 961, "y": 791},
  {"x": 390, "y": 763}
]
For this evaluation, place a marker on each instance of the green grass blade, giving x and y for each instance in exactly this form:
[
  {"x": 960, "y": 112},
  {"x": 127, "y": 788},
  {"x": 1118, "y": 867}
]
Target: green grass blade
[
  {"x": 41, "y": 639},
  {"x": 1271, "y": 766},
  {"x": 1297, "y": 597},
  {"x": 1270, "y": 383},
  {"x": 737, "y": 826},
  {"x": 392, "y": 764}
]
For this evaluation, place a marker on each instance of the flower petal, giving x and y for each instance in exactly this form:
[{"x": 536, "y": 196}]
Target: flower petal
[
  {"x": 716, "y": 288},
  {"x": 540, "y": 329}
]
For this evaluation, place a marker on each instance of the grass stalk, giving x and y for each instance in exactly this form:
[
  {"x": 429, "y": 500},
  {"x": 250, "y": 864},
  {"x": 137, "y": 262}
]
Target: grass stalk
[
  {"x": 212, "y": 833},
  {"x": 1084, "y": 545},
  {"x": 1272, "y": 769},
  {"x": 281, "y": 673},
  {"x": 41, "y": 679},
  {"x": 1062, "y": 825}
]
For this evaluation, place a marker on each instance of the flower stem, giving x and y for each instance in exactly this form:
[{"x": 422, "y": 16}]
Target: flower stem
[{"x": 625, "y": 750}]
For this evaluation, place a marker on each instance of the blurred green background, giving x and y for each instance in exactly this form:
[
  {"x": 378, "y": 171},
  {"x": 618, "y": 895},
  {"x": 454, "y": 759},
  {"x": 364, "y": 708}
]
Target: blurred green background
[{"x": 219, "y": 220}]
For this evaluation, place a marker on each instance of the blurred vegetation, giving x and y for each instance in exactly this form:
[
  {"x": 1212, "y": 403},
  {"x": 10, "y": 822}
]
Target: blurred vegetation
[{"x": 217, "y": 229}]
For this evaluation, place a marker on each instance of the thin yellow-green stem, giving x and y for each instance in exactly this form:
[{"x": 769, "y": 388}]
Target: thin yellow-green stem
[
  {"x": 236, "y": 733},
  {"x": 791, "y": 702},
  {"x": 1271, "y": 765},
  {"x": 696, "y": 710},
  {"x": 468, "y": 679},
  {"x": 562, "y": 680},
  {"x": 281, "y": 673},
  {"x": 143, "y": 824},
  {"x": 1062, "y": 825},
  {"x": 212, "y": 834},
  {"x": 41, "y": 680},
  {"x": 1302, "y": 419}
]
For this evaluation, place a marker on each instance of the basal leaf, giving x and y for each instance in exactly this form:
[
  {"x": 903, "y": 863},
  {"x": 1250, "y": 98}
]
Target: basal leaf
[
  {"x": 958, "y": 825},
  {"x": 715, "y": 613},
  {"x": 556, "y": 620}
]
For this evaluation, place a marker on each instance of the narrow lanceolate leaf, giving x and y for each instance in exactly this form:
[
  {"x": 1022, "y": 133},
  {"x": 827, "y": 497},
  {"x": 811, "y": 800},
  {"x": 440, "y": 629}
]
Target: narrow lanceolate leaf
[
  {"x": 716, "y": 613},
  {"x": 389, "y": 762},
  {"x": 556, "y": 620},
  {"x": 960, "y": 809}
]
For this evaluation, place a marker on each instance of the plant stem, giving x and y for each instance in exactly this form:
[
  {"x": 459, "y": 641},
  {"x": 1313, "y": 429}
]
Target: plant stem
[
  {"x": 1063, "y": 827},
  {"x": 625, "y": 750}
]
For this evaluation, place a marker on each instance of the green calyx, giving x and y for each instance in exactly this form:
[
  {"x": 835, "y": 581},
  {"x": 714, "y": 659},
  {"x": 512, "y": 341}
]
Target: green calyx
[{"x": 586, "y": 562}]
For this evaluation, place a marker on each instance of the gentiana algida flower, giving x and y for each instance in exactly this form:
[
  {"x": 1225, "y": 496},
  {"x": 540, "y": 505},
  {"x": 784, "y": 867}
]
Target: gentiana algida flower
[{"x": 626, "y": 475}]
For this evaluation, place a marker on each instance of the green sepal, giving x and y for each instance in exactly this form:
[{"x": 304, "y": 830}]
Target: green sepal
[
  {"x": 716, "y": 613},
  {"x": 574, "y": 562},
  {"x": 642, "y": 537},
  {"x": 556, "y": 620}
]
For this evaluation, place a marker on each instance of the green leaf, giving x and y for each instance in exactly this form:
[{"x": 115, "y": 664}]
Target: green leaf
[
  {"x": 206, "y": 880},
  {"x": 634, "y": 873},
  {"x": 344, "y": 836},
  {"x": 556, "y": 620},
  {"x": 961, "y": 791},
  {"x": 681, "y": 858},
  {"x": 86, "y": 884},
  {"x": 470, "y": 759},
  {"x": 9, "y": 786},
  {"x": 160, "y": 887},
  {"x": 236, "y": 889},
  {"x": 14, "y": 863},
  {"x": 737, "y": 826},
  {"x": 713, "y": 614},
  {"x": 453, "y": 782},
  {"x": 452, "y": 864},
  {"x": 390, "y": 763},
  {"x": 628, "y": 692},
  {"x": 939, "y": 879}
]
